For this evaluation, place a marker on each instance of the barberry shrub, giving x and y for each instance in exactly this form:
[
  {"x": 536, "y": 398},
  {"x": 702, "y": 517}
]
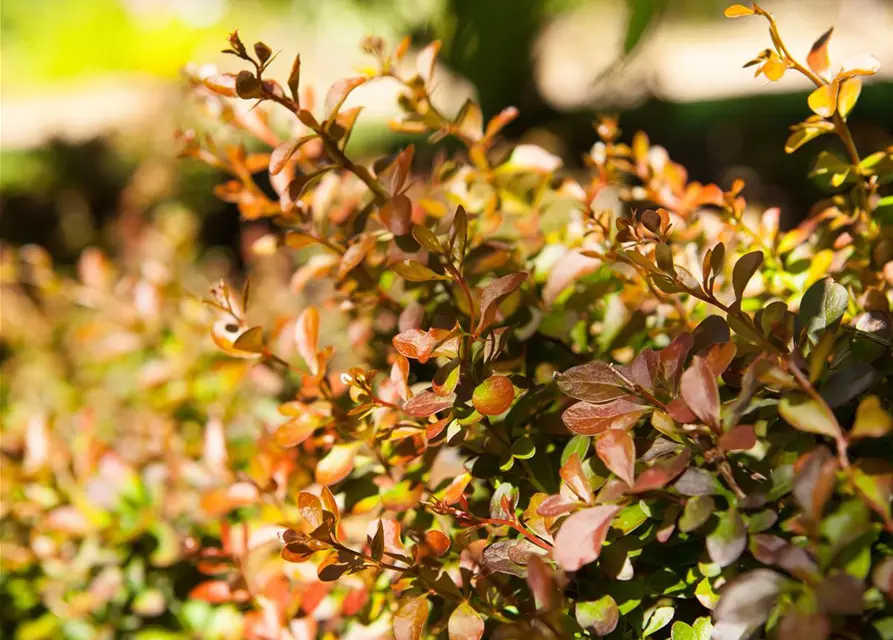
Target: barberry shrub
[{"x": 665, "y": 415}]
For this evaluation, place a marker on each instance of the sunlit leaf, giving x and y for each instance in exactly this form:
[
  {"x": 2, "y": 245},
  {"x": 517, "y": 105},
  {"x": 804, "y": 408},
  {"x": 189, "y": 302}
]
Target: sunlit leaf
[
  {"x": 580, "y": 539},
  {"x": 823, "y": 100},
  {"x": 848, "y": 95},
  {"x": 737, "y": 11},
  {"x": 465, "y": 623},
  {"x": 337, "y": 464},
  {"x": 808, "y": 413},
  {"x": 307, "y": 338},
  {"x": 617, "y": 450},
  {"x": 494, "y": 395},
  {"x": 409, "y": 621},
  {"x": 818, "y": 59},
  {"x": 601, "y": 616},
  {"x": 872, "y": 421}
]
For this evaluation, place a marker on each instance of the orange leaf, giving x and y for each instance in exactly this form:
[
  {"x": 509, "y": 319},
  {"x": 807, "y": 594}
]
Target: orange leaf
[
  {"x": 737, "y": 11},
  {"x": 618, "y": 451},
  {"x": 337, "y": 464},
  {"x": 818, "y": 59},
  {"x": 409, "y": 621},
  {"x": 465, "y": 623},
  {"x": 493, "y": 396}
]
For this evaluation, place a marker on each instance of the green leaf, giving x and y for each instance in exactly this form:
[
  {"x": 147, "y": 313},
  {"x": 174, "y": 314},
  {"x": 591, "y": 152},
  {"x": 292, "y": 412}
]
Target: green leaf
[
  {"x": 579, "y": 444},
  {"x": 415, "y": 271},
  {"x": 523, "y": 448},
  {"x": 696, "y": 512},
  {"x": 660, "y": 618},
  {"x": 809, "y": 414},
  {"x": 599, "y": 615},
  {"x": 643, "y": 14},
  {"x": 426, "y": 238},
  {"x": 744, "y": 270},
  {"x": 682, "y": 631},
  {"x": 727, "y": 542}
]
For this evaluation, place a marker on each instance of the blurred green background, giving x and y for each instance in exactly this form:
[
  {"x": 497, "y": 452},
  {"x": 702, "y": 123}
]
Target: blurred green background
[{"x": 92, "y": 93}]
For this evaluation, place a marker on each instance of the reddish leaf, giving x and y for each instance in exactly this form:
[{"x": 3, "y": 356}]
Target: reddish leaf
[
  {"x": 438, "y": 542},
  {"x": 814, "y": 481},
  {"x": 456, "y": 488},
  {"x": 572, "y": 473},
  {"x": 580, "y": 539},
  {"x": 493, "y": 396},
  {"x": 680, "y": 412},
  {"x": 355, "y": 254},
  {"x": 213, "y": 591},
  {"x": 427, "y": 403},
  {"x": 748, "y": 599},
  {"x": 740, "y": 438},
  {"x": 465, "y": 623},
  {"x": 700, "y": 391},
  {"x": 818, "y": 59},
  {"x": 720, "y": 356},
  {"x": 672, "y": 359},
  {"x": 393, "y": 543},
  {"x": 660, "y": 475},
  {"x": 409, "y": 621},
  {"x": 337, "y": 464},
  {"x": 415, "y": 343},
  {"x": 567, "y": 271},
  {"x": 594, "y": 382},
  {"x": 542, "y": 584},
  {"x": 311, "y": 509},
  {"x": 643, "y": 370},
  {"x": 617, "y": 450},
  {"x": 557, "y": 505},
  {"x": 590, "y": 419},
  {"x": 338, "y": 93},
  {"x": 397, "y": 215},
  {"x": 494, "y": 293}
]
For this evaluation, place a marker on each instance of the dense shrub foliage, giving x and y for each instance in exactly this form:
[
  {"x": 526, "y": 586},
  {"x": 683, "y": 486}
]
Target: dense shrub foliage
[{"x": 531, "y": 402}]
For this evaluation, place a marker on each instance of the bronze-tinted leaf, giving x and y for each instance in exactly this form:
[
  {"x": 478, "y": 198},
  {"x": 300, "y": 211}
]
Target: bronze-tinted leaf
[
  {"x": 409, "y": 621},
  {"x": 618, "y": 451},
  {"x": 813, "y": 481},
  {"x": 414, "y": 271},
  {"x": 594, "y": 382},
  {"x": 740, "y": 438},
  {"x": 397, "y": 215},
  {"x": 493, "y": 396},
  {"x": 580, "y": 539},
  {"x": 818, "y": 59},
  {"x": 744, "y": 270},
  {"x": 700, "y": 391},
  {"x": 251, "y": 341},
  {"x": 437, "y": 541},
  {"x": 494, "y": 293},
  {"x": 590, "y": 419},
  {"x": 427, "y": 403},
  {"x": 749, "y": 599},
  {"x": 355, "y": 254},
  {"x": 572, "y": 473},
  {"x": 337, "y": 464},
  {"x": 338, "y": 93},
  {"x": 465, "y": 623},
  {"x": 415, "y": 343}
]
